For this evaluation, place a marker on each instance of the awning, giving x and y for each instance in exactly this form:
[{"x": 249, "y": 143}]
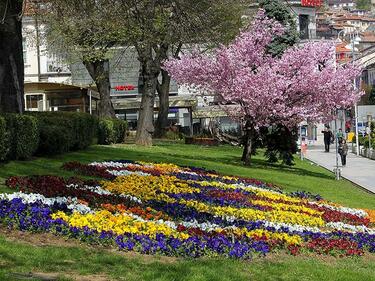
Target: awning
[{"x": 44, "y": 87}]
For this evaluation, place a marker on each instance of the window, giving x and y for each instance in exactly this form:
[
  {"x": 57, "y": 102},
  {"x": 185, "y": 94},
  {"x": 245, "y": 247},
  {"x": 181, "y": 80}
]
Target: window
[
  {"x": 56, "y": 64},
  {"x": 34, "y": 102}
]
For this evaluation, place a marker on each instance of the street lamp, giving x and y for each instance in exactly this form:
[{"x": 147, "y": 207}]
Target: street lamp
[{"x": 354, "y": 40}]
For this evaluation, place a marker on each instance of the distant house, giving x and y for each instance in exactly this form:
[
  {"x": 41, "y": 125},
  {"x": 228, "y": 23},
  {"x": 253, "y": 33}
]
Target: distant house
[{"x": 341, "y": 4}]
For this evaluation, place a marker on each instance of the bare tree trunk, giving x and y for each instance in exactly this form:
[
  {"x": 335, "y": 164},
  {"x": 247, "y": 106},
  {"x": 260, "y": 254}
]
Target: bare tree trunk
[
  {"x": 248, "y": 143},
  {"x": 145, "y": 126},
  {"x": 163, "y": 92},
  {"x": 246, "y": 155},
  {"x": 11, "y": 58},
  {"x": 99, "y": 72}
]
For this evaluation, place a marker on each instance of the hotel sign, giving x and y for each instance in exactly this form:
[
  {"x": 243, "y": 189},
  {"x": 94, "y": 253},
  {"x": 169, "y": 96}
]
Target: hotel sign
[
  {"x": 124, "y": 88},
  {"x": 311, "y": 3}
]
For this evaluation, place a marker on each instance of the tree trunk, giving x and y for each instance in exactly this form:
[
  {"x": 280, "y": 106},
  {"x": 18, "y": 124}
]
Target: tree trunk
[
  {"x": 11, "y": 58},
  {"x": 99, "y": 72},
  {"x": 163, "y": 92},
  {"x": 248, "y": 143},
  {"x": 145, "y": 126}
]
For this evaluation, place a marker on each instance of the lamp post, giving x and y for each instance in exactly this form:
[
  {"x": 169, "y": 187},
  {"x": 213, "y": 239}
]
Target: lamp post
[
  {"x": 337, "y": 169},
  {"x": 354, "y": 39}
]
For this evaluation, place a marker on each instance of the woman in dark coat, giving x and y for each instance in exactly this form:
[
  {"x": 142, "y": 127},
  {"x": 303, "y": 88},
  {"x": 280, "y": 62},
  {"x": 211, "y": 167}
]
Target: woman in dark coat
[{"x": 343, "y": 151}]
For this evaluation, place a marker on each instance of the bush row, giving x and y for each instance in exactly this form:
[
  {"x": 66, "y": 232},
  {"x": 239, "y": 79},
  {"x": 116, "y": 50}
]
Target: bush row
[
  {"x": 364, "y": 141},
  {"x": 50, "y": 133}
]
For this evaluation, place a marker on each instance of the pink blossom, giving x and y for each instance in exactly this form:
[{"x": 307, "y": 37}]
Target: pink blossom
[{"x": 305, "y": 83}]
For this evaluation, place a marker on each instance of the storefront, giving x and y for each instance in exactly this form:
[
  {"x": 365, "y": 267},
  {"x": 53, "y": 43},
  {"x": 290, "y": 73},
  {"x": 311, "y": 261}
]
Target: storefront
[
  {"x": 180, "y": 110},
  {"x": 60, "y": 97}
]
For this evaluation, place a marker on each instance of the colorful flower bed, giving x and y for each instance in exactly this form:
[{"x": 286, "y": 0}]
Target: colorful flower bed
[{"x": 183, "y": 211}]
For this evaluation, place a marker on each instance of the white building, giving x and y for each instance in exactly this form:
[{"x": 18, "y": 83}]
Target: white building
[
  {"x": 40, "y": 64},
  {"x": 341, "y": 4}
]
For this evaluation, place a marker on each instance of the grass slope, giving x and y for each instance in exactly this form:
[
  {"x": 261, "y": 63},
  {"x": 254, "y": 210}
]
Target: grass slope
[
  {"x": 75, "y": 262},
  {"x": 225, "y": 159}
]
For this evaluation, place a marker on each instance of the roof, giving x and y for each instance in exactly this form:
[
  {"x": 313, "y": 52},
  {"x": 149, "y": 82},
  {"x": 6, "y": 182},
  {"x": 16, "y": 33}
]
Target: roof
[
  {"x": 368, "y": 37},
  {"x": 341, "y": 48},
  {"x": 32, "y": 87},
  {"x": 354, "y": 17}
]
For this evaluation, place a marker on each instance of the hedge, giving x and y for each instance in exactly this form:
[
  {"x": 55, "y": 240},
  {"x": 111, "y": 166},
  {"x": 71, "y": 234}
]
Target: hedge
[
  {"x": 80, "y": 130},
  {"x": 21, "y": 136},
  {"x": 3, "y": 139},
  {"x": 51, "y": 133}
]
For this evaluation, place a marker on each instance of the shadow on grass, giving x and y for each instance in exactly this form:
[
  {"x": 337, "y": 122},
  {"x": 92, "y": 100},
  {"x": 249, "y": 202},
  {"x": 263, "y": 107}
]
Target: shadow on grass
[
  {"x": 176, "y": 153},
  {"x": 255, "y": 164}
]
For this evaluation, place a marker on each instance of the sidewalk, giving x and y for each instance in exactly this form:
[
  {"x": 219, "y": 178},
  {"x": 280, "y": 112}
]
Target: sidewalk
[{"x": 358, "y": 170}]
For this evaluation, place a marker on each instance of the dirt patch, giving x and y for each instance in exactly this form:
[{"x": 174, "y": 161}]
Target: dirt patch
[
  {"x": 49, "y": 239},
  {"x": 56, "y": 276},
  {"x": 37, "y": 239}
]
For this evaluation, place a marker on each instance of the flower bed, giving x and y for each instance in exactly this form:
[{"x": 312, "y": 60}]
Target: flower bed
[{"x": 183, "y": 211}]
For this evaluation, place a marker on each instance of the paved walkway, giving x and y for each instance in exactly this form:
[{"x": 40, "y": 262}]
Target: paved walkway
[{"x": 358, "y": 170}]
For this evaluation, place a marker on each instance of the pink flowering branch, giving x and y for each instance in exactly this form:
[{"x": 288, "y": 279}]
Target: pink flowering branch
[{"x": 304, "y": 84}]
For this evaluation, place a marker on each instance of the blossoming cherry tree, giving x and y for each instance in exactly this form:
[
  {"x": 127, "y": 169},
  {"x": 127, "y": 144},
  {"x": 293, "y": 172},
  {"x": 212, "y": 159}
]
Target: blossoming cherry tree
[{"x": 303, "y": 84}]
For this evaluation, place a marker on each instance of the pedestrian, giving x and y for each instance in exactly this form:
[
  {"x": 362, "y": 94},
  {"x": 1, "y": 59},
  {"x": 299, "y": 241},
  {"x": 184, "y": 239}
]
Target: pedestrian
[
  {"x": 328, "y": 136},
  {"x": 340, "y": 135},
  {"x": 347, "y": 126},
  {"x": 343, "y": 151},
  {"x": 303, "y": 148}
]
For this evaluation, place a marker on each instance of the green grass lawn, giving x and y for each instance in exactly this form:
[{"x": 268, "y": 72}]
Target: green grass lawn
[{"x": 67, "y": 262}]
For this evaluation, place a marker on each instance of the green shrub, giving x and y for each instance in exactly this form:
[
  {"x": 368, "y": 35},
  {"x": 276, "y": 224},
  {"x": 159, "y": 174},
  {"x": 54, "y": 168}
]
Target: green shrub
[
  {"x": 170, "y": 135},
  {"x": 111, "y": 131},
  {"x": 50, "y": 133},
  {"x": 79, "y": 128},
  {"x": 120, "y": 127},
  {"x": 22, "y": 136},
  {"x": 106, "y": 132},
  {"x": 53, "y": 140},
  {"x": 3, "y": 139}
]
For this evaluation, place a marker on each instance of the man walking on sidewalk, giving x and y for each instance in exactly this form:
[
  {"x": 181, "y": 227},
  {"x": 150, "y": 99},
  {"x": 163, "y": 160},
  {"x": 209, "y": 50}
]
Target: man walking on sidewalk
[{"x": 328, "y": 136}]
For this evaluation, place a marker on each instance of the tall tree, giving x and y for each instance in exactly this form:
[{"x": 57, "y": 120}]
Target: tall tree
[
  {"x": 11, "y": 56},
  {"x": 85, "y": 29},
  {"x": 363, "y": 4},
  {"x": 280, "y": 142},
  {"x": 157, "y": 27},
  {"x": 279, "y": 11},
  {"x": 304, "y": 83},
  {"x": 207, "y": 23}
]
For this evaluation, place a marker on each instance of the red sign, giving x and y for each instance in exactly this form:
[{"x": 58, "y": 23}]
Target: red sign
[
  {"x": 125, "y": 88},
  {"x": 312, "y": 3}
]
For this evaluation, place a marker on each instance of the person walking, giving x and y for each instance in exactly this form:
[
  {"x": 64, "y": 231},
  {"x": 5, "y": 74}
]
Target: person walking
[
  {"x": 340, "y": 135},
  {"x": 328, "y": 136},
  {"x": 343, "y": 151}
]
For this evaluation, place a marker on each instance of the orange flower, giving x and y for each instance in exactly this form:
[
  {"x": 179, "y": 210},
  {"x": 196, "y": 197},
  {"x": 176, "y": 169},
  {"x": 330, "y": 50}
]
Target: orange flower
[{"x": 371, "y": 215}]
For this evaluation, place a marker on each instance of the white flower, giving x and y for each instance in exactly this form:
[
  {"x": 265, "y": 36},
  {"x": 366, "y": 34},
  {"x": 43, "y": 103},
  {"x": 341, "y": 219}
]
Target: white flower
[{"x": 72, "y": 203}]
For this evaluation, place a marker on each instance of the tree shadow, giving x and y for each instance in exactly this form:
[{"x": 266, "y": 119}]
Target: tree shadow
[{"x": 255, "y": 164}]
